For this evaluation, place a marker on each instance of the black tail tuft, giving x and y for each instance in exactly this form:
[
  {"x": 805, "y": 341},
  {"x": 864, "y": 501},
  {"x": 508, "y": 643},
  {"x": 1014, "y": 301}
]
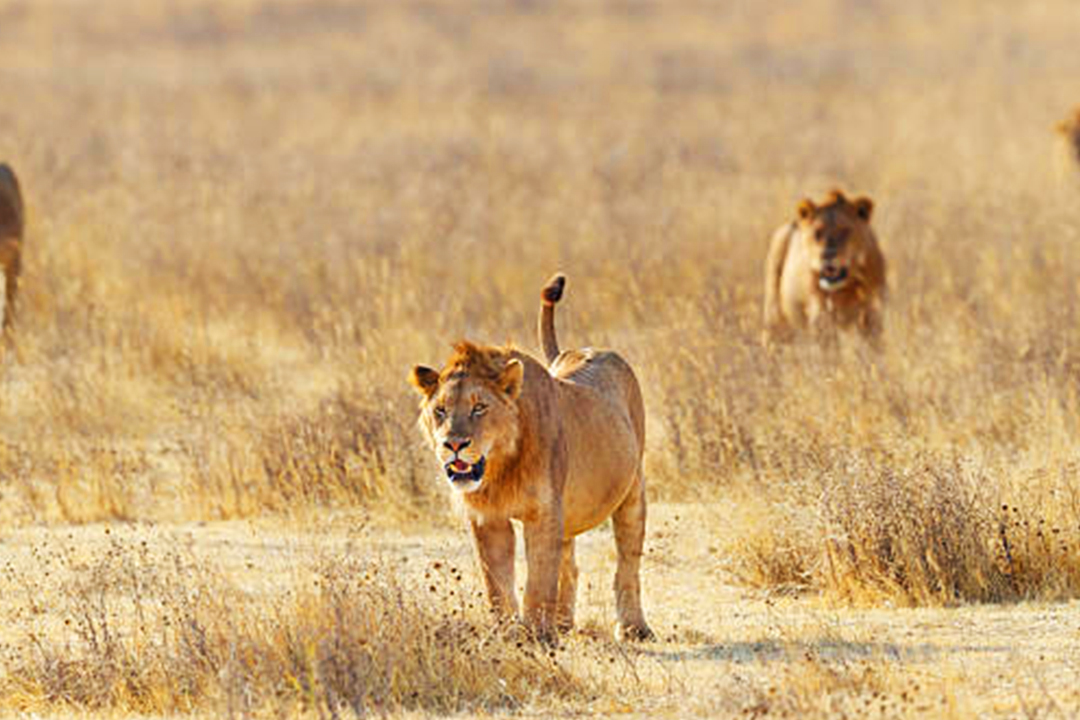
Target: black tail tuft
[{"x": 552, "y": 292}]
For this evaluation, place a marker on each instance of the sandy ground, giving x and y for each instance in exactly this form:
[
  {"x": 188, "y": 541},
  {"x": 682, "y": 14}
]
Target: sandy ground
[{"x": 723, "y": 650}]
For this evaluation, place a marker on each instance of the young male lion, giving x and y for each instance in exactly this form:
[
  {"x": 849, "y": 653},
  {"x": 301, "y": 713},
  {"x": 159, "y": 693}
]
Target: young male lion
[
  {"x": 11, "y": 235},
  {"x": 557, "y": 447},
  {"x": 825, "y": 271}
]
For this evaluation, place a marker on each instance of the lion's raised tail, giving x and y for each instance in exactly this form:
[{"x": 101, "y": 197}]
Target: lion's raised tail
[{"x": 549, "y": 296}]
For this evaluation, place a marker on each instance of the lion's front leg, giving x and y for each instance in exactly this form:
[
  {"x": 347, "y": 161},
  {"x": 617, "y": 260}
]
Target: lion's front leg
[
  {"x": 776, "y": 332},
  {"x": 820, "y": 318},
  {"x": 871, "y": 327},
  {"x": 494, "y": 541},
  {"x": 543, "y": 555}
]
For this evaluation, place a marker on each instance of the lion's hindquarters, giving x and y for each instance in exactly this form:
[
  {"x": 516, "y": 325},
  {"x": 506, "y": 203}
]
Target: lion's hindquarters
[
  {"x": 603, "y": 418},
  {"x": 604, "y": 422}
]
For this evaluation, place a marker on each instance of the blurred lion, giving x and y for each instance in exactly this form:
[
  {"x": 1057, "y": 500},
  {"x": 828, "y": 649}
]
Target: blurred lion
[
  {"x": 1069, "y": 130},
  {"x": 825, "y": 271},
  {"x": 557, "y": 447},
  {"x": 11, "y": 238}
]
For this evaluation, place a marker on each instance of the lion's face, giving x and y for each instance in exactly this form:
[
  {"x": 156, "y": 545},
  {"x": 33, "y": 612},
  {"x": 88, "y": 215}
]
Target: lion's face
[
  {"x": 470, "y": 418},
  {"x": 834, "y": 237}
]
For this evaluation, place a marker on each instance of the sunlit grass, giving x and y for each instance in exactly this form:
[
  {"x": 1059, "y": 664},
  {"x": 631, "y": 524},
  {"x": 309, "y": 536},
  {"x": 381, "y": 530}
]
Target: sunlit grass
[
  {"x": 142, "y": 632},
  {"x": 247, "y": 220}
]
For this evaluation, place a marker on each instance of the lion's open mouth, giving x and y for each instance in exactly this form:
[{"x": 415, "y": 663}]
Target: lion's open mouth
[
  {"x": 832, "y": 278},
  {"x": 459, "y": 471}
]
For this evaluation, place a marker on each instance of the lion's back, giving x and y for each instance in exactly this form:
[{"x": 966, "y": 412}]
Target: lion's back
[{"x": 607, "y": 374}]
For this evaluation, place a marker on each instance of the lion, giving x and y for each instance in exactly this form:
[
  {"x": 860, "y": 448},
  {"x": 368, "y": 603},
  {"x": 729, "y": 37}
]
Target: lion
[
  {"x": 825, "y": 271},
  {"x": 556, "y": 446},
  {"x": 11, "y": 238},
  {"x": 1069, "y": 130}
]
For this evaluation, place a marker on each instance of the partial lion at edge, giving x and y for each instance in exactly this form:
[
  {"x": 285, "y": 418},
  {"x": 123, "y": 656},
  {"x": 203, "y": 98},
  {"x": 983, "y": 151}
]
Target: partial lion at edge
[{"x": 12, "y": 225}]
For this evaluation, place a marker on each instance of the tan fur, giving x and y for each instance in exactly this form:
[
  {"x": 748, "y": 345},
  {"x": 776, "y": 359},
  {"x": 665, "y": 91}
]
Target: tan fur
[
  {"x": 1068, "y": 155},
  {"x": 563, "y": 451},
  {"x": 11, "y": 238},
  {"x": 825, "y": 271},
  {"x": 1069, "y": 129}
]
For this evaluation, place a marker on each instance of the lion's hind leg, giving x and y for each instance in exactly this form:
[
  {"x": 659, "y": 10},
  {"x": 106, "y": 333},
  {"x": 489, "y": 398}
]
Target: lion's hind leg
[
  {"x": 629, "y": 524},
  {"x": 568, "y": 576}
]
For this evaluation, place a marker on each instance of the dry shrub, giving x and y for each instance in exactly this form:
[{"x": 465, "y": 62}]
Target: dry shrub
[
  {"x": 774, "y": 543},
  {"x": 813, "y": 685},
  {"x": 159, "y": 634},
  {"x": 344, "y": 452},
  {"x": 868, "y": 529},
  {"x": 915, "y": 536},
  {"x": 341, "y": 452}
]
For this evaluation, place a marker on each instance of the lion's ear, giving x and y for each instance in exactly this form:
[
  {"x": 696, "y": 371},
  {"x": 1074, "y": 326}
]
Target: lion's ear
[
  {"x": 806, "y": 209},
  {"x": 512, "y": 378},
  {"x": 425, "y": 380},
  {"x": 864, "y": 206}
]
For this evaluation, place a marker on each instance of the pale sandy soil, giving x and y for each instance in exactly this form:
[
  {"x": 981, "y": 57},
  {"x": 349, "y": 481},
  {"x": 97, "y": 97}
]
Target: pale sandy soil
[{"x": 724, "y": 650}]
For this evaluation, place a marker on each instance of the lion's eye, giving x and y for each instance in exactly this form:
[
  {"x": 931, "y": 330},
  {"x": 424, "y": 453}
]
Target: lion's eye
[
  {"x": 479, "y": 409},
  {"x": 439, "y": 413}
]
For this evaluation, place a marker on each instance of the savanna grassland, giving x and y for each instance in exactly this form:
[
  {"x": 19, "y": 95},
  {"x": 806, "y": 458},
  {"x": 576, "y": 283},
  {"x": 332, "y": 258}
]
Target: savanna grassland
[{"x": 247, "y": 219}]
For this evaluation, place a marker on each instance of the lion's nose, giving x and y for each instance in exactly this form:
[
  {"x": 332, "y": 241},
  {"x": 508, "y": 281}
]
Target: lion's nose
[{"x": 457, "y": 445}]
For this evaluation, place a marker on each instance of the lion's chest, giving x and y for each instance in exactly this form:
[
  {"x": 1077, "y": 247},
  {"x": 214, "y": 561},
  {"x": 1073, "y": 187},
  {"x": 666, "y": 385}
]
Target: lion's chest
[
  {"x": 844, "y": 306},
  {"x": 803, "y": 298}
]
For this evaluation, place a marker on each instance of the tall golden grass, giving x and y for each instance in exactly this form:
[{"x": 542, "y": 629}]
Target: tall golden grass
[{"x": 248, "y": 219}]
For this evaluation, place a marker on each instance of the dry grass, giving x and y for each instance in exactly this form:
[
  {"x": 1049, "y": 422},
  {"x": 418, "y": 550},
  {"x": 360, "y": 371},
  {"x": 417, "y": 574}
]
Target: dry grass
[
  {"x": 266, "y": 212},
  {"x": 248, "y": 219},
  {"x": 141, "y": 630},
  {"x": 933, "y": 534},
  {"x": 265, "y": 619}
]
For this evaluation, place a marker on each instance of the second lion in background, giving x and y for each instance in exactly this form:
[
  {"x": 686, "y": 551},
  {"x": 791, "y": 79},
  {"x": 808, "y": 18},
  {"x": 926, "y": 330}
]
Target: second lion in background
[{"x": 825, "y": 272}]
